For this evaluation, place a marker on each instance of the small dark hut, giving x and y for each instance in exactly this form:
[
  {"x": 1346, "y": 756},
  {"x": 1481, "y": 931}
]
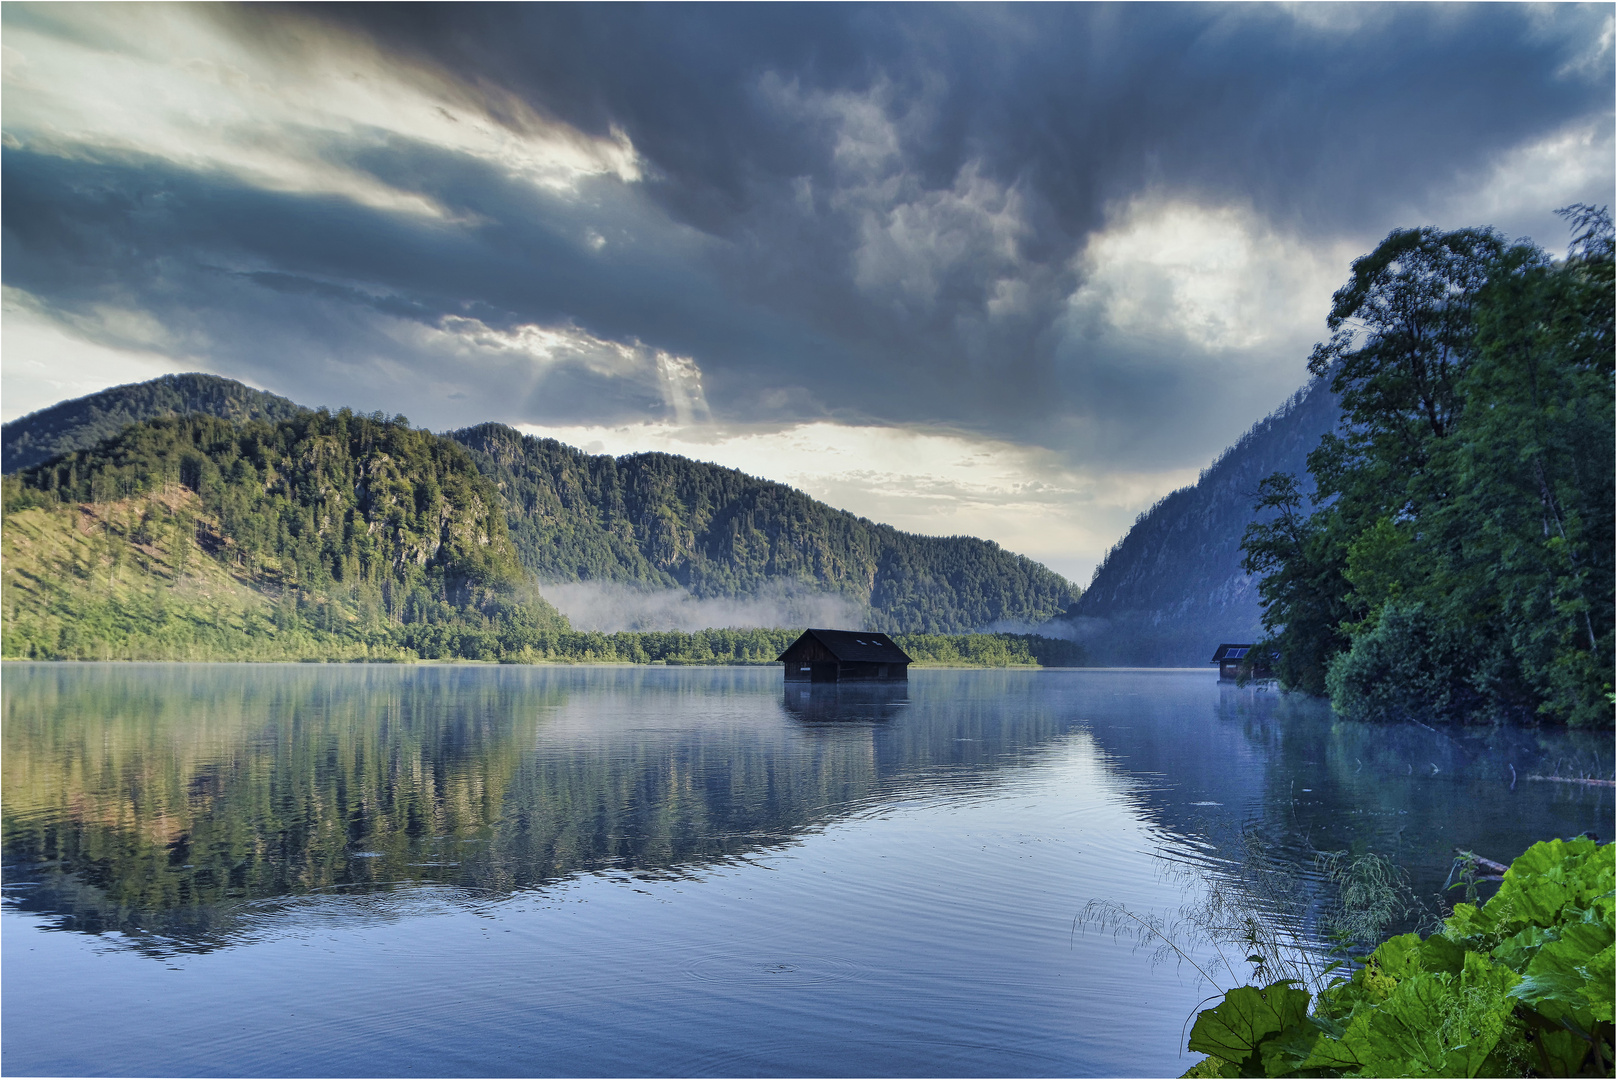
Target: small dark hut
[
  {"x": 825, "y": 656},
  {"x": 1229, "y": 659}
]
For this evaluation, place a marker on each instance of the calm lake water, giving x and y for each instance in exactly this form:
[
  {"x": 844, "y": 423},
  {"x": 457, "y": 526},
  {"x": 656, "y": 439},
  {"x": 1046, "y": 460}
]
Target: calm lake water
[{"x": 460, "y": 870}]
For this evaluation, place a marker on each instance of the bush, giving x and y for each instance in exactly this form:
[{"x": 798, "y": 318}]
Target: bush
[{"x": 1406, "y": 668}]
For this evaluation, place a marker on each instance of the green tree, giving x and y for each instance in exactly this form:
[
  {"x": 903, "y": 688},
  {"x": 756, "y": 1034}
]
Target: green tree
[
  {"x": 1297, "y": 561},
  {"x": 1460, "y": 562}
]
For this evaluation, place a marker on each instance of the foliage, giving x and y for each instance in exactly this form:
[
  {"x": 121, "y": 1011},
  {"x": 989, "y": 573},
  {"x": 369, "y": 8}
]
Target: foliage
[
  {"x": 1521, "y": 986},
  {"x": 83, "y": 422},
  {"x": 76, "y": 587},
  {"x": 156, "y": 577},
  {"x": 662, "y": 521},
  {"x": 990, "y": 650},
  {"x": 336, "y": 535},
  {"x": 1459, "y": 564},
  {"x": 1301, "y": 583}
]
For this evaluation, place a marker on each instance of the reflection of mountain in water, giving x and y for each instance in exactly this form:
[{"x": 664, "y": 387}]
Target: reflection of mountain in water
[
  {"x": 152, "y": 799},
  {"x": 180, "y": 804},
  {"x": 188, "y": 806}
]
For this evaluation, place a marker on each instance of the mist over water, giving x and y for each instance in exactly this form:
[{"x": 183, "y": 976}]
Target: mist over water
[
  {"x": 1083, "y": 630},
  {"x": 610, "y": 607}
]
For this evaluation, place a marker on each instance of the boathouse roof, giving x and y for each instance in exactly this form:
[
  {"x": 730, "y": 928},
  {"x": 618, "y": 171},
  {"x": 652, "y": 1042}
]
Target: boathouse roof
[
  {"x": 853, "y": 646},
  {"x": 1231, "y": 652}
]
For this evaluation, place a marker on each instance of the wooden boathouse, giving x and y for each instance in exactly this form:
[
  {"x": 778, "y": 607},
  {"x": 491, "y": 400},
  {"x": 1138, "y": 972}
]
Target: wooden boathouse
[
  {"x": 828, "y": 656},
  {"x": 1229, "y": 659}
]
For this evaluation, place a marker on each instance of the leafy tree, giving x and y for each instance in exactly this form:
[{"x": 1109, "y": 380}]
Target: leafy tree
[
  {"x": 1460, "y": 564},
  {"x": 1520, "y": 551},
  {"x": 1297, "y": 559}
]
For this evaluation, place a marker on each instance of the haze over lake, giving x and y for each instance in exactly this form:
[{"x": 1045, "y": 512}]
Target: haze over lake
[{"x": 480, "y": 870}]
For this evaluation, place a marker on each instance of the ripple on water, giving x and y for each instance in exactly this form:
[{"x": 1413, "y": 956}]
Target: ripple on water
[
  {"x": 783, "y": 971},
  {"x": 804, "y": 1051},
  {"x": 349, "y": 905}
]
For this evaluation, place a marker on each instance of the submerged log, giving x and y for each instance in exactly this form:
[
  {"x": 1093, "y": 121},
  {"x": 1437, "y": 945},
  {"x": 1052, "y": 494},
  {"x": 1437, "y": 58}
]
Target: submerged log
[{"x": 1576, "y": 780}]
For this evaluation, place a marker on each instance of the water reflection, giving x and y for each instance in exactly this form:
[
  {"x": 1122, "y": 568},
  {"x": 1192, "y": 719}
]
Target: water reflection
[
  {"x": 1302, "y": 782},
  {"x": 833, "y": 703},
  {"x": 188, "y": 806}
]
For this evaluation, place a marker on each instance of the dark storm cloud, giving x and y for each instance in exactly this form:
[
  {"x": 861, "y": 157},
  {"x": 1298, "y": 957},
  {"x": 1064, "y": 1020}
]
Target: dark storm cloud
[
  {"x": 192, "y": 251},
  {"x": 846, "y": 210}
]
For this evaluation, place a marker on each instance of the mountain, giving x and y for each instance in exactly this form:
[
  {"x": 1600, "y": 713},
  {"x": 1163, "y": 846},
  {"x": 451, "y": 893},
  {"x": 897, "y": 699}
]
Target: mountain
[
  {"x": 642, "y": 522},
  {"x": 83, "y": 422},
  {"x": 659, "y": 521},
  {"x": 1172, "y": 589},
  {"x": 323, "y": 535}
]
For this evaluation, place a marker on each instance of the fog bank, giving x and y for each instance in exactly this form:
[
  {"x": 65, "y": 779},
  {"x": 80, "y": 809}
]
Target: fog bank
[{"x": 609, "y": 607}]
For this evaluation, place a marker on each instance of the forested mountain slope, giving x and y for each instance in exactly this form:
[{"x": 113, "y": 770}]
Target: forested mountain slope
[
  {"x": 646, "y": 520},
  {"x": 83, "y": 422},
  {"x": 659, "y": 520},
  {"x": 1172, "y": 589},
  {"x": 324, "y": 535}
]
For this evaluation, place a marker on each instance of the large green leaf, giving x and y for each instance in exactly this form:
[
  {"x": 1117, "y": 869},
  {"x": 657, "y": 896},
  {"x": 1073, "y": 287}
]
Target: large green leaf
[
  {"x": 1434, "y": 1024},
  {"x": 1295, "y": 1050},
  {"x": 1399, "y": 957},
  {"x": 1438, "y": 953},
  {"x": 1570, "y": 980},
  {"x": 1525, "y": 982},
  {"x": 1469, "y": 922},
  {"x": 1209, "y": 1067},
  {"x": 1330, "y": 1054},
  {"x": 1552, "y": 882},
  {"x": 1518, "y": 950},
  {"x": 1233, "y": 1029},
  {"x": 1563, "y": 1052}
]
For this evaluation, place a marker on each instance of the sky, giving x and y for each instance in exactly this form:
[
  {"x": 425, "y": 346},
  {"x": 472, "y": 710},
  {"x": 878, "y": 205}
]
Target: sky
[{"x": 1007, "y": 271}]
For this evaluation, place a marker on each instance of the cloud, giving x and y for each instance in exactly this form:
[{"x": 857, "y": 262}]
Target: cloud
[
  {"x": 1520, "y": 190},
  {"x": 290, "y": 113},
  {"x": 1091, "y": 241},
  {"x": 546, "y": 350},
  {"x": 44, "y": 361},
  {"x": 1219, "y": 279}
]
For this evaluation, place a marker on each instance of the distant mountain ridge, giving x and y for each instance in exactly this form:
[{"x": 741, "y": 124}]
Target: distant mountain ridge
[
  {"x": 1172, "y": 588},
  {"x": 660, "y": 520},
  {"x": 652, "y": 521},
  {"x": 83, "y": 422}
]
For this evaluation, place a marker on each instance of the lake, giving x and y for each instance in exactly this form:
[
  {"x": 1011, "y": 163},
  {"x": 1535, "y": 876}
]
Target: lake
[{"x": 428, "y": 870}]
